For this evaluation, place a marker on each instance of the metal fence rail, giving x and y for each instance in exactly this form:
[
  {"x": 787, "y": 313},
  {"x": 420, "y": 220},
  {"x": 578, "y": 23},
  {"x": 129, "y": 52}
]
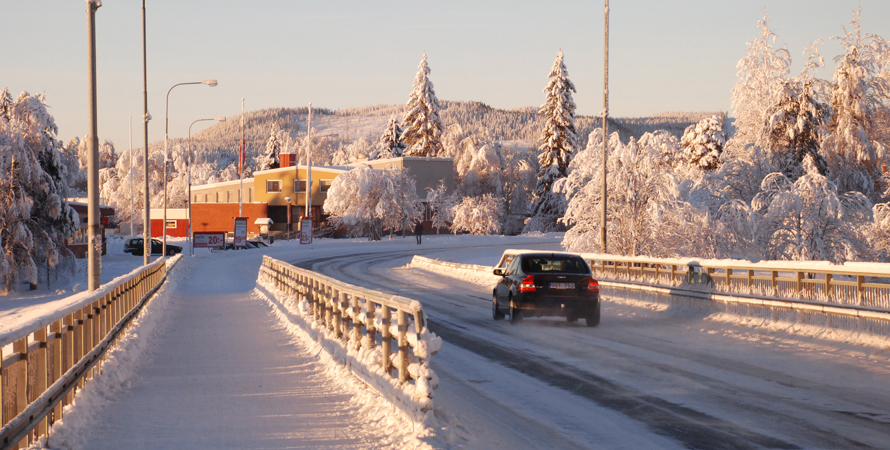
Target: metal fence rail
[
  {"x": 364, "y": 320},
  {"x": 53, "y": 357}
]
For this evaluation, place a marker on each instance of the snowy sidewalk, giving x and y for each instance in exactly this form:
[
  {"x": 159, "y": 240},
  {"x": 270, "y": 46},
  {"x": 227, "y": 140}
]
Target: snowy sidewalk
[{"x": 222, "y": 372}]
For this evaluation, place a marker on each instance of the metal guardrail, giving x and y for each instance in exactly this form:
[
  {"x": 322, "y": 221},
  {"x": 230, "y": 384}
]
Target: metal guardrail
[
  {"x": 351, "y": 312},
  {"x": 54, "y": 356}
]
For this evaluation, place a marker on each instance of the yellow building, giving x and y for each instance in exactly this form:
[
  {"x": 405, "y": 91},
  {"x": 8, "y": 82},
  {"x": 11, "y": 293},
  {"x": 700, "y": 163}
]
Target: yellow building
[{"x": 273, "y": 187}]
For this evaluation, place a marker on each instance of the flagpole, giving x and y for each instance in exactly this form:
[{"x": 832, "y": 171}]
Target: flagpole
[{"x": 241, "y": 165}]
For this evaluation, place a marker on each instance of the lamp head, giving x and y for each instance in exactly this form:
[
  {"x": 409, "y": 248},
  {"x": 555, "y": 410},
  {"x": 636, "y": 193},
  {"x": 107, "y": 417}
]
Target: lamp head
[
  {"x": 220, "y": 119},
  {"x": 211, "y": 83}
]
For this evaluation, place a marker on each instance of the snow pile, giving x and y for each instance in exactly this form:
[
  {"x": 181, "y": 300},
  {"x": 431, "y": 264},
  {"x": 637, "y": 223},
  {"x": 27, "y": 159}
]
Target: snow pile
[
  {"x": 413, "y": 400},
  {"x": 482, "y": 275}
]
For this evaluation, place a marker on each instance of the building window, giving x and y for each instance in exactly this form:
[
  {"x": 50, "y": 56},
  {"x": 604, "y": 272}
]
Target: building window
[
  {"x": 324, "y": 185},
  {"x": 205, "y": 198},
  {"x": 171, "y": 224},
  {"x": 273, "y": 186},
  {"x": 216, "y": 197},
  {"x": 299, "y": 185},
  {"x": 249, "y": 195}
]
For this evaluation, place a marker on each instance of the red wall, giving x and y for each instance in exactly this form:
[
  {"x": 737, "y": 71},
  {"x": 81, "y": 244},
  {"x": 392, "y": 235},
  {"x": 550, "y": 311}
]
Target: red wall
[
  {"x": 221, "y": 216},
  {"x": 181, "y": 230}
]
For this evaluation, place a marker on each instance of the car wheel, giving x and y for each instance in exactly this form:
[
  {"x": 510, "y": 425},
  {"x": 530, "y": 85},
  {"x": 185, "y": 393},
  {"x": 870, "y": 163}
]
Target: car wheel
[
  {"x": 515, "y": 315},
  {"x": 496, "y": 313},
  {"x": 594, "y": 318}
]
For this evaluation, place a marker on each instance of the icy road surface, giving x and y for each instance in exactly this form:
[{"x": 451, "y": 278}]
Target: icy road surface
[
  {"x": 649, "y": 376},
  {"x": 210, "y": 366}
]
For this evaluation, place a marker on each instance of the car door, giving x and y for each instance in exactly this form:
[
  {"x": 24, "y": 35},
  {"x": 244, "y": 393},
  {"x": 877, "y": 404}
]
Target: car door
[{"x": 502, "y": 290}]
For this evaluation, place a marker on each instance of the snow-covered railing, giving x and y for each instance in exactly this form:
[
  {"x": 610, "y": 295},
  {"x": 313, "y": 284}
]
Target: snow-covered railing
[
  {"x": 851, "y": 289},
  {"x": 45, "y": 359},
  {"x": 379, "y": 333}
]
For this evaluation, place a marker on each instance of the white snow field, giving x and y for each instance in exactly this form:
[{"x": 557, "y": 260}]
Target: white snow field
[{"x": 212, "y": 364}]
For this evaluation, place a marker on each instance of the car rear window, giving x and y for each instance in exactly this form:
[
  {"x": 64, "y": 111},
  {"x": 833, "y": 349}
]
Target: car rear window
[{"x": 555, "y": 263}]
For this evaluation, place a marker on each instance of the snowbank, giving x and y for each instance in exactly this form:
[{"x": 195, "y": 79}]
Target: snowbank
[{"x": 473, "y": 273}]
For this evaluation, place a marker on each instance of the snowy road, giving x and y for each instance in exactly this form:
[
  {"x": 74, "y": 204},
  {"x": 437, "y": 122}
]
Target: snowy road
[{"x": 649, "y": 376}]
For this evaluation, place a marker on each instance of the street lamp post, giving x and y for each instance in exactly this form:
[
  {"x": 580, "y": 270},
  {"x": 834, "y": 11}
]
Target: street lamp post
[
  {"x": 211, "y": 83},
  {"x": 605, "y": 129},
  {"x": 93, "y": 213},
  {"x": 188, "y": 163}
]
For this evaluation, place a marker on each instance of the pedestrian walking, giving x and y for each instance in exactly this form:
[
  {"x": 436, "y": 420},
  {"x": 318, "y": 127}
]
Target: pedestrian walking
[{"x": 418, "y": 231}]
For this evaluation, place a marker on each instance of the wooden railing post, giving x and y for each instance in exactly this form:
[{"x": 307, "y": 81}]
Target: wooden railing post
[
  {"x": 860, "y": 288},
  {"x": 828, "y": 278},
  {"x": 728, "y": 278},
  {"x": 40, "y": 371},
  {"x": 799, "y": 282},
  {"x": 18, "y": 377},
  {"x": 774, "y": 281},
  {"x": 403, "y": 346},
  {"x": 386, "y": 336},
  {"x": 356, "y": 324},
  {"x": 338, "y": 314},
  {"x": 370, "y": 328},
  {"x": 58, "y": 331}
]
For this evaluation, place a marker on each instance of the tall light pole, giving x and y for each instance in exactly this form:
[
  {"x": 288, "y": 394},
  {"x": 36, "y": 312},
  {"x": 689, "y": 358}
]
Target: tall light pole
[
  {"x": 211, "y": 83},
  {"x": 146, "y": 206},
  {"x": 289, "y": 216},
  {"x": 93, "y": 213},
  {"x": 132, "y": 217},
  {"x": 605, "y": 127},
  {"x": 188, "y": 162}
]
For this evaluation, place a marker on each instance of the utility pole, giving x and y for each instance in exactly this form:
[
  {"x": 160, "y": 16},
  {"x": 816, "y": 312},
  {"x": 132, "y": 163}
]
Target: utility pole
[
  {"x": 132, "y": 215},
  {"x": 605, "y": 129},
  {"x": 146, "y": 210},
  {"x": 95, "y": 239}
]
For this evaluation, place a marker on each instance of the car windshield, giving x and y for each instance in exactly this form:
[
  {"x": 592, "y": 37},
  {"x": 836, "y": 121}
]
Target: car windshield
[{"x": 553, "y": 263}]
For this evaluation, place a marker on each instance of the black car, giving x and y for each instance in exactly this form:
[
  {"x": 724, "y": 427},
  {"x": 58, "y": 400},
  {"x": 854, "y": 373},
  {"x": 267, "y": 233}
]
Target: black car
[
  {"x": 136, "y": 246},
  {"x": 546, "y": 284}
]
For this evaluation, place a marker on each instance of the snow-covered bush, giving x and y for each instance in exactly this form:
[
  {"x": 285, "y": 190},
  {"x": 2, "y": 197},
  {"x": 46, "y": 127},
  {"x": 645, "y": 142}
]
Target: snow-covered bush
[
  {"x": 478, "y": 215},
  {"x": 703, "y": 143}
]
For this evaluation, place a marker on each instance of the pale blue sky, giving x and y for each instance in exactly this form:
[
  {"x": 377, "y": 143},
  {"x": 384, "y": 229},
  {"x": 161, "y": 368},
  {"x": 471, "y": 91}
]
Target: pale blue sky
[{"x": 665, "y": 55}]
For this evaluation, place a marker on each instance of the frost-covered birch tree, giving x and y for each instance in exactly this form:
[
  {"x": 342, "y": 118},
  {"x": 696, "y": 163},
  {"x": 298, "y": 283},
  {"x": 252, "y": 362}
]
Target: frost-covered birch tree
[
  {"x": 558, "y": 137},
  {"x": 35, "y": 218},
  {"x": 860, "y": 102},
  {"x": 422, "y": 124},
  {"x": 365, "y": 200}
]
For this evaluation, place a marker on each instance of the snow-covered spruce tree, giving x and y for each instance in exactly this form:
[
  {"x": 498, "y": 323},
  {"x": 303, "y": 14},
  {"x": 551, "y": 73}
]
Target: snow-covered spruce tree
[
  {"x": 273, "y": 148},
  {"x": 558, "y": 136},
  {"x": 390, "y": 144},
  {"x": 478, "y": 215},
  {"x": 422, "y": 124},
  {"x": 703, "y": 143},
  {"x": 808, "y": 220},
  {"x": 36, "y": 219},
  {"x": 365, "y": 200},
  {"x": 860, "y": 102}
]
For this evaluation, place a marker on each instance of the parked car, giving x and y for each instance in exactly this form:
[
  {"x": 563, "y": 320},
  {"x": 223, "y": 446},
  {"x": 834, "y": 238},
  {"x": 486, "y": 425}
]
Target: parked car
[
  {"x": 546, "y": 284},
  {"x": 136, "y": 247}
]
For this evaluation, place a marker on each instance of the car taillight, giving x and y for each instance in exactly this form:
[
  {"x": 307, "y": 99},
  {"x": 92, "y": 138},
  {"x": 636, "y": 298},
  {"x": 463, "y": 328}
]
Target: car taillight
[
  {"x": 528, "y": 284},
  {"x": 593, "y": 285}
]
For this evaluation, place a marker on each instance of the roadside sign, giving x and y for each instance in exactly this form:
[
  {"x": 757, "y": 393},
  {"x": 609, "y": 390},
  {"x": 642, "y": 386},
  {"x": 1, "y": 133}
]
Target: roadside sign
[
  {"x": 241, "y": 232},
  {"x": 209, "y": 239},
  {"x": 305, "y": 230}
]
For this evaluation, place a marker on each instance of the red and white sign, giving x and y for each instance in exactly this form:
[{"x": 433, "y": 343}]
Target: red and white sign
[
  {"x": 241, "y": 232},
  {"x": 305, "y": 230},
  {"x": 209, "y": 239}
]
